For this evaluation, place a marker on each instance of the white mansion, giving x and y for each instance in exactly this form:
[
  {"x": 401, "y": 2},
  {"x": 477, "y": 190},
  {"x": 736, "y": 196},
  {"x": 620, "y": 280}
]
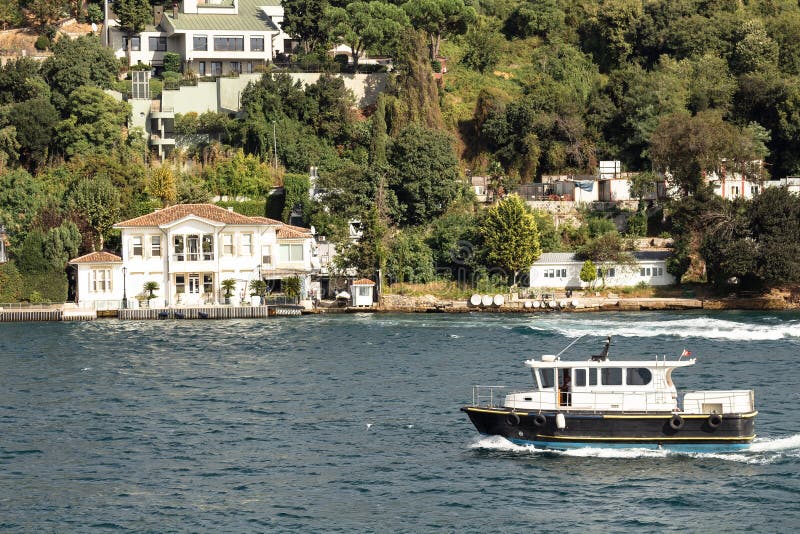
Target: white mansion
[{"x": 188, "y": 250}]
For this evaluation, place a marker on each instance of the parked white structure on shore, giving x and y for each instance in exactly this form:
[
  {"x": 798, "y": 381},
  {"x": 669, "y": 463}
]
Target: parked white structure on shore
[
  {"x": 188, "y": 250},
  {"x": 562, "y": 270}
]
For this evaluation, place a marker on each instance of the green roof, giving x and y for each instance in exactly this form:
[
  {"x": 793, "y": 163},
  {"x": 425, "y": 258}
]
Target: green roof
[{"x": 250, "y": 18}]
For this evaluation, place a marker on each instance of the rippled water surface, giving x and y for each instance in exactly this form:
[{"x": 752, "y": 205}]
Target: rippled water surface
[{"x": 351, "y": 423}]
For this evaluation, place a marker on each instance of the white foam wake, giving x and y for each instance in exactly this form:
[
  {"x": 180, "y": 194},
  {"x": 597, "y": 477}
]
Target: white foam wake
[
  {"x": 705, "y": 327},
  {"x": 762, "y": 451}
]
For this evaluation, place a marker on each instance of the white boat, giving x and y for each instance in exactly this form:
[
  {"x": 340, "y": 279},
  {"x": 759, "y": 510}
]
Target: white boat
[{"x": 603, "y": 403}]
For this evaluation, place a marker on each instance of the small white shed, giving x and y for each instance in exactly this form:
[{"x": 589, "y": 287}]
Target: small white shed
[{"x": 362, "y": 291}]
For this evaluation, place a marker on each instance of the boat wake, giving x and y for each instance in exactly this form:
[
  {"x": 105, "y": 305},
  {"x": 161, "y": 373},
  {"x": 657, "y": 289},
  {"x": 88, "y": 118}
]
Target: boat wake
[
  {"x": 706, "y": 327},
  {"x": 762, "y": 451}
]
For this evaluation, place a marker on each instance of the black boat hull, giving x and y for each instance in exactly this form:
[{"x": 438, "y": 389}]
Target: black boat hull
[{"x": 629, "y": 430}]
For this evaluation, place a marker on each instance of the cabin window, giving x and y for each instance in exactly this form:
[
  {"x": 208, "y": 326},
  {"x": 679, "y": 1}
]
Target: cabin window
[
  {"x": 639, "y": 376},
  {"x": 547, "y": 378},
  {"x": 593, "y": 377},
  {"x": 611, "y": 376},
  {"x": 579, "y": 377}
]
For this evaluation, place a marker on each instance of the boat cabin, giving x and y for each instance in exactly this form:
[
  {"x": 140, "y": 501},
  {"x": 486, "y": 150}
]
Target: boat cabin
[{"x": 600, "y": 385}]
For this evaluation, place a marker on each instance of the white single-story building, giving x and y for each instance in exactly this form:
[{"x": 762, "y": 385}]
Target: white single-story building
[
  {"x": 562, "y": 270},
  {"x": 362, "y": 291}
]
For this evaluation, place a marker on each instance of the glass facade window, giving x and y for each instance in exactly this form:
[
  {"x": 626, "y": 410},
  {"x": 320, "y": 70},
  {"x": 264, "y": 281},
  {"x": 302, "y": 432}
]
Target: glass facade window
[
  {"x": 256, "y": 44},
  {"x": 136, "y": 43},
  {"x": 200, "y": 43},
  {"x": 157, "y": 44},
  {"x": 291, "y": 252},
  {"x": 229, "y": 44}
]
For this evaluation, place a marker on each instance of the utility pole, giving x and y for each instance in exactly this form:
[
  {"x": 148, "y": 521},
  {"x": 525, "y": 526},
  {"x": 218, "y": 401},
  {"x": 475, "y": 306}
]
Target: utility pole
[{"x": 275, "y": 146}]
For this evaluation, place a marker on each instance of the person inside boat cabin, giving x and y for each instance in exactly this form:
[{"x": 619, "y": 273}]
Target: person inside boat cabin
[{"x": 566, "y": 389}]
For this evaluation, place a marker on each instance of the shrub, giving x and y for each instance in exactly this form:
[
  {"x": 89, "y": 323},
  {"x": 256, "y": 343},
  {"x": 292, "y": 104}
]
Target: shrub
[
  {"x": 94, "y": 14},
  {"x": 42, "y": 43},
  {"x": 172, "y": 62}
]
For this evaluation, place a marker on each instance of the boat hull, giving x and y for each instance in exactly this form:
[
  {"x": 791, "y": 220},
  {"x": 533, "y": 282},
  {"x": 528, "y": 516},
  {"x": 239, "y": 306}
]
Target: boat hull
[{"x": 584, "y": 429}]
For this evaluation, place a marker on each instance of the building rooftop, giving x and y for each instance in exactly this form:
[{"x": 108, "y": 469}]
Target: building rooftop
[
  {"x": 554, "y": 258},
  {"x": 97, "y": 257},
  {"x": 179, "y": 211},
  {"x": 250, "y": 18}
]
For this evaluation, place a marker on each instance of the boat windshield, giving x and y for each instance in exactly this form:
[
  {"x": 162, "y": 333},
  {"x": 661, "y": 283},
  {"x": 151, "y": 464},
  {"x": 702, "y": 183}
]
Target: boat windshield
[{"x": 547, "y": 378}]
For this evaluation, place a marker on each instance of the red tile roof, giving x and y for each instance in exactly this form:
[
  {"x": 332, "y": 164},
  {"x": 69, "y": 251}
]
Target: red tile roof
[
  {"x": 267, "y": 220},
  {"x": 364, "y": 282},
  {"x": 179, "y": 211},
  {"x": 97, "y": 257},
  {"x": 288, "y": 231}
]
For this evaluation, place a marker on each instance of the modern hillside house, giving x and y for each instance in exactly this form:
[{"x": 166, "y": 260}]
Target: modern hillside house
[
  {"x": 188, "y": 250},
  {"x": 212, "y": 37}
]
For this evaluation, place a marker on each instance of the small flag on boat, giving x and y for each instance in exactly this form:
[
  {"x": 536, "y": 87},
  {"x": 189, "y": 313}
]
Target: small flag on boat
[{"x": 685, "y": 353}]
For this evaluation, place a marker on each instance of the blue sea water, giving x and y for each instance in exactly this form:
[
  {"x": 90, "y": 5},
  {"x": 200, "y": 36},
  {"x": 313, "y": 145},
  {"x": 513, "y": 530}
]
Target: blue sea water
[{"x": 352, "y": 423}]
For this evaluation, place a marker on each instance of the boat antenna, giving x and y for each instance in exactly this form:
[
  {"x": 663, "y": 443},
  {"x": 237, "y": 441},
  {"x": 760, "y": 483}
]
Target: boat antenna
[
  {"x": 603, "y": 356},
  {"x": 568, "y": 346}
]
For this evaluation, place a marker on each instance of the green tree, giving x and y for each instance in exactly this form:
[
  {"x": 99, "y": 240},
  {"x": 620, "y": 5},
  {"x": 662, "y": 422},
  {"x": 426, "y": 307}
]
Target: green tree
[
  {"x": 20, "y": 80},
  {"x": 31, "y": 257},
  {"x": 34, "y": 121},
  {"x": 775, "y": 224},
  {"x": 242, "y": 175},
  {"x": 425, "y": 176},
  {"x": 440, "y": 19},
  {"x": 364, "y": 26},
  {"x": 291, "y": 286},
  {"x": 76, "y": 62},
  {"x": 94, "y": 122},
  {"x": 588, "y": 273},
  {"x": 484, "y": 46},
  {"x": 307, "y": 21},
  {"x": 608, "y": 250},
  {"x": 61, "y": 244},
  {"x": 21, "y": 197},
  {"x": 132, "y": 17},
  {"x": 539, "y": 18},
  {"x": 10, "y": 14},
  {"x": 510, "y": 235},
  {"x": 98, "y": 201},
  {"x": 172, "y": 62},
  {"x": 296, "y": 188},
  {"x": 10, "y": 283},
  {"x": 46, "y": 12},
  {"x": 642, "y": 184},
  {"x": 410, "y": 259}
]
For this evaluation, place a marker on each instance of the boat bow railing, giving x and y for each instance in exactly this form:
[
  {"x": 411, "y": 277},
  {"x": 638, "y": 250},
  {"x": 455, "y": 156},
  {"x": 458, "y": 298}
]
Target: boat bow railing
[{"x": 488, "y": 395}]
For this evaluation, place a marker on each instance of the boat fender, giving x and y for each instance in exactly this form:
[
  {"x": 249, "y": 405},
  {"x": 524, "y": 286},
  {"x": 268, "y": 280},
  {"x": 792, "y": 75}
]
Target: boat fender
[
  {"x": 676, "y": 423},
  {"x": 714, "y": 420},
  {"x": 561, "y": 421},
  {"x": 512, "y": 419},
  {"x": 540, "y": 420}
]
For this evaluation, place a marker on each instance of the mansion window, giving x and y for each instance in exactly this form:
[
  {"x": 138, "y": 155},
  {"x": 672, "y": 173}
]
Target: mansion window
[
  {"x": 200, "y": 43},
  {"x": 157, "y": 44},
  {"x": 136, "y": 246},
  {"x": 193, "y": 247},
  {"x": 155, "y": 246},
  {"x": 136, "y": 43},
  {"x": 256, "y": 44},
  {"x": 291, "y": 252},
  {"x": 227, "y": 244},
  {"x": 246, "y": 245},
  {"x": 266, "y": 255},
  {"x": 208, "y": 283},
  {"x": 101, "y": 280},
  {"x": 180, "y": 283},
  {"x": 229, "y": 44},
  {"x": 610, "y": 273}
]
